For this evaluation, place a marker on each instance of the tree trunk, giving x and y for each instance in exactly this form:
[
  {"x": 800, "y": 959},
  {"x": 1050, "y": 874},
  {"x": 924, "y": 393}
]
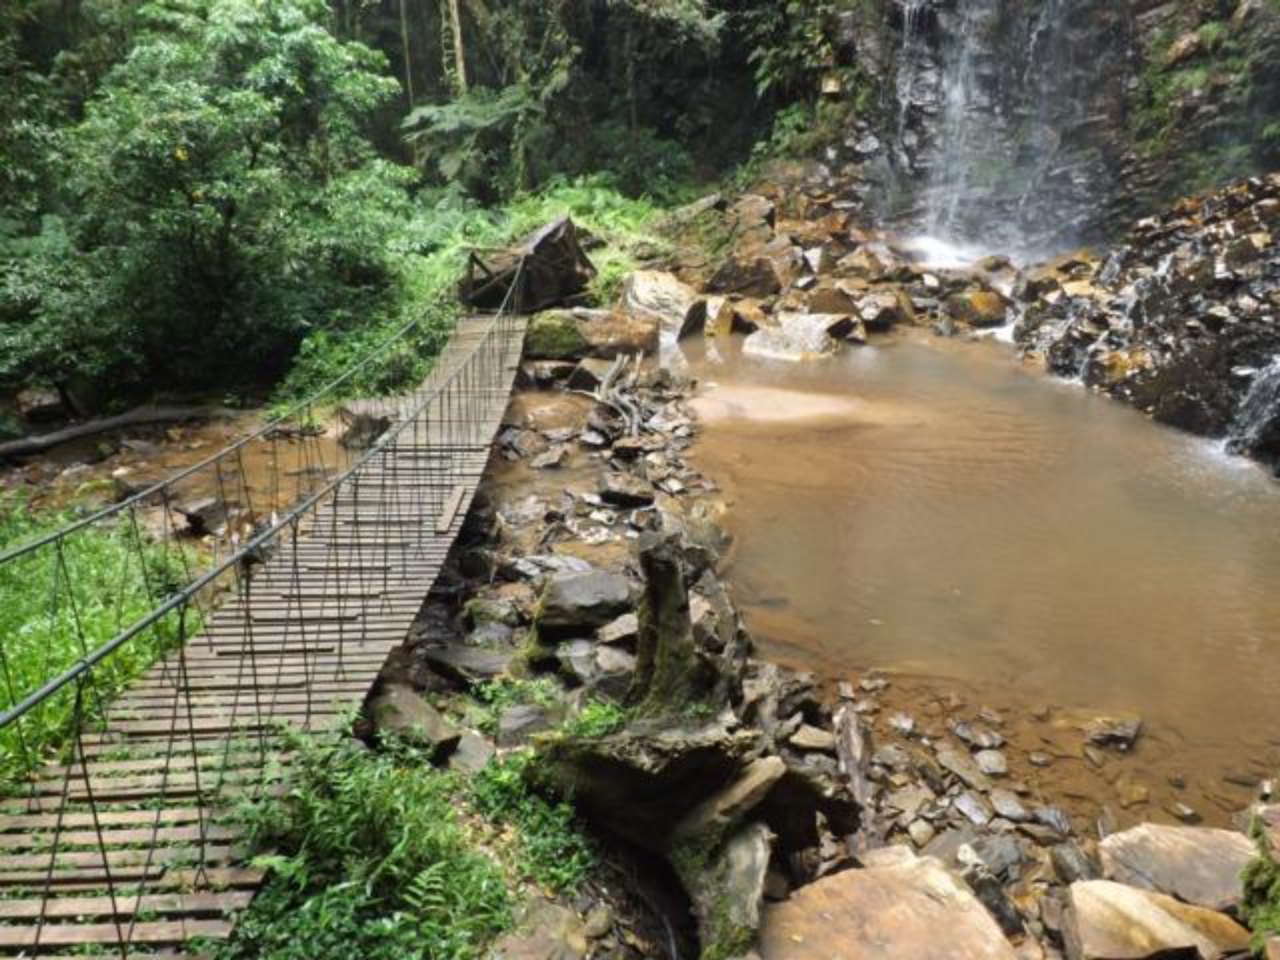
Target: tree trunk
[
  {"x": 28, "y": 446},
  {"x": 459, "y": 49},
  {"x": 408, "y": 57}
]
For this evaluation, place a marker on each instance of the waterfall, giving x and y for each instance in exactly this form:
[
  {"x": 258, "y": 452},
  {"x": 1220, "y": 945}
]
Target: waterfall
[
  {"x": 997, "y": 105},
  {"x": 1256, "y": 430}
]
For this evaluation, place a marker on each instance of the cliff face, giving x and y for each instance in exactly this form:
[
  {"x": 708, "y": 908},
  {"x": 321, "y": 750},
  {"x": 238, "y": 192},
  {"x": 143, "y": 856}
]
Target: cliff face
[{"x": 1031, "y": 124}]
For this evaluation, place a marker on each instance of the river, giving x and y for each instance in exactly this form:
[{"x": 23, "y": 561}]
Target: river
[{"x": 933, "y": 508}]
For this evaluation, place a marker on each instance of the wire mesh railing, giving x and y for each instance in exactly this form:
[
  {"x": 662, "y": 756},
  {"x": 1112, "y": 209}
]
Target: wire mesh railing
[{"x": 267, "y": 598}]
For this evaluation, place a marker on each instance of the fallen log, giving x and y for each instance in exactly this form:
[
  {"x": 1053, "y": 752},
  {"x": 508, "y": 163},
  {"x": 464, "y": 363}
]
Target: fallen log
[{"x": 140, "y": 416}]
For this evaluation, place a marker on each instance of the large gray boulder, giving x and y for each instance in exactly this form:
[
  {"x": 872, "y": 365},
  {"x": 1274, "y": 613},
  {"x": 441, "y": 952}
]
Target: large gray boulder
[
  {"x": 907, "y": 908},
  {"x": 583, "y": 602},
  {"x": 1198, "y": 865},
  {"x": 1112, "y": 921}
]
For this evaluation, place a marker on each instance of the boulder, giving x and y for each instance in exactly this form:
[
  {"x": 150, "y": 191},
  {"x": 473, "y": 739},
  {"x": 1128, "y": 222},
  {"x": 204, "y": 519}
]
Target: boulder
[
  {"x": 400, "y": 711},
  {"x": 467, "y": 664},
  {"x": 912, "y": 908},
  {"x": 583, "y": 601},
  {"x": 545, "y": 931},
  {"x": 625, "y": 491},
  {"x": 623, "y": 631},
  {"x": 727, "y": 890},
  {"x": 977, "y": 308},
  {"x": 657, "y": 297},
  {"x": 517, "y": 725},
  {"x": 1198, "y": 865},
  {"x": 884, "y": 309},
  {"x": 472, "y": 754},
  {"x": 615, "y": 672},
  {"x": 797, "y": 338},
  {"x": 752, "y": 276},
  {"x": 602, "y": 334},
  {"x": 1111, "y": 921}
]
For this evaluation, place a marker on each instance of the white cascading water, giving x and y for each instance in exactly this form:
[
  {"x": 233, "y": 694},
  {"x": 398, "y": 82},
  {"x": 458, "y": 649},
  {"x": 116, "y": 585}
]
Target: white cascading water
[
  {"x": 994, "y": 142},
  {"x": 1257, "y": 423}
]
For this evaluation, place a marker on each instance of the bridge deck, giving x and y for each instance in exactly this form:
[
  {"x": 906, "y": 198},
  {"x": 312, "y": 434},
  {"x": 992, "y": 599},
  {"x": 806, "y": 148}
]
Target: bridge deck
[{"x": 127, "y": 848}]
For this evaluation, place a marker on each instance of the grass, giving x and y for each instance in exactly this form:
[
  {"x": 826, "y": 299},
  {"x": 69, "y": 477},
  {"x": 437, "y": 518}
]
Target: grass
[
  {"x": 63, "y": 602},
  {"x": 379, "y": 855}
]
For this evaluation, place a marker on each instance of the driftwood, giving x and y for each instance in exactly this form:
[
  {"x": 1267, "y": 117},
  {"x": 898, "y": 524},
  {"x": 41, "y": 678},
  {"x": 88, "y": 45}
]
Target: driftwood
[
  {"x": 545, "y": 269},
  {"x": 28, "y": 446}
]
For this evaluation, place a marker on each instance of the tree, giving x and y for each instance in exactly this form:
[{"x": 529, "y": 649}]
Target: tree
[{"x": 223, "y": 200}]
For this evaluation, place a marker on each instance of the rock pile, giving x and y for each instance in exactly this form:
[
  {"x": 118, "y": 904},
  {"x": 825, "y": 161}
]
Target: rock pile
[{"x": 1182, "y": 320}]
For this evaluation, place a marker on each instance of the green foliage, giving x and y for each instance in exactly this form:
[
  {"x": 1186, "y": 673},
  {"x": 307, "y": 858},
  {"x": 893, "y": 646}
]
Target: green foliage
[
  {"x": 26, "y": 136},
  {"x": 1260, "y": 905},
  {"x": 221, "y": 200},
  {"x": 790, "y": 46},
  {"x": 432, "y": 248},
  {"x": 495, "y": 696},
  {"x": 61, "y": 604},
  {"x": 552, "y": 850},
  {"x": 595, "y": 720},
  {"x": 373, "y": 861}
]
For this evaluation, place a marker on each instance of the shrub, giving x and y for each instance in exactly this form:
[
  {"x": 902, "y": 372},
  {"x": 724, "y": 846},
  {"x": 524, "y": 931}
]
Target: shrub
[{"x": 374, "y": 862}]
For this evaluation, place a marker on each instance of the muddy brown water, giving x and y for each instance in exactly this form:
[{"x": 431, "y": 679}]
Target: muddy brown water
[{"x": 933, "y": 508}]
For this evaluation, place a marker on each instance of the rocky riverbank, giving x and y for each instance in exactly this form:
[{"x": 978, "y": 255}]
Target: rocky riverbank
[
  {"x": 1182, "y": 319},
  {"x": 585, "y": 618}
]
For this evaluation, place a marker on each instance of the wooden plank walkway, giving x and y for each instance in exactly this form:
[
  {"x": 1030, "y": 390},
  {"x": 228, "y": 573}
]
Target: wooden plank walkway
[{"x": 128, "y": 850}]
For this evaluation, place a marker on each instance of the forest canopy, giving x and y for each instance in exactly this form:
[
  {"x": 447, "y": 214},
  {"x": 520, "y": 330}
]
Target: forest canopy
[{"x": 192, "y": 189}]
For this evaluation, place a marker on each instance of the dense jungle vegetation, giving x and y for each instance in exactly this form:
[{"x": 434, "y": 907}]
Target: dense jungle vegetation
[{"x": 200, "y": 194}]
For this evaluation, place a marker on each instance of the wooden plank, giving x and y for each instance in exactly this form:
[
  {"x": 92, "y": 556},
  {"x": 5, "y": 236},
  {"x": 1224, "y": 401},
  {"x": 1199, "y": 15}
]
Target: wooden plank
[
  {"x": 166, "y": 933},
  {"x": 106, "y": 818},
  {"x": 88, "y": 838},
  {"x": 93, "y": 860},
  {"x": 445, "y": 521},
  {"x": 192, "y": 904}
]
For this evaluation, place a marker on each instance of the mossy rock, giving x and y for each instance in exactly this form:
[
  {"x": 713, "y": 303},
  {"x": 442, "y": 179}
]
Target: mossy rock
[{"x": 554, "y": 335}]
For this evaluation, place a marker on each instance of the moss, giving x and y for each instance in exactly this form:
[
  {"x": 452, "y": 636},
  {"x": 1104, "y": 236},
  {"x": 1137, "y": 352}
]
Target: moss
[{"x": 554, "y": 335}]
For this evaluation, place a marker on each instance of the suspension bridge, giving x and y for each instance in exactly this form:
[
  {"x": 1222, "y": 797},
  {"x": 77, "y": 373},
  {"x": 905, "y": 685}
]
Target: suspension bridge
[{"x": 117, "y": 836}]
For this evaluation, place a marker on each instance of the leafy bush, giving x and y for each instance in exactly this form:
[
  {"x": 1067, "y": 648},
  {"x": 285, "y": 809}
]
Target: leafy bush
[
  {"x": 374, "y": 862},
  {"x": 497, "y": 695},
  {"x": 221, "y": 200},
  {"x": 552, "y": 850},
  {"x": 595, "y": 720},
  {"x": 60, "y": 604}
]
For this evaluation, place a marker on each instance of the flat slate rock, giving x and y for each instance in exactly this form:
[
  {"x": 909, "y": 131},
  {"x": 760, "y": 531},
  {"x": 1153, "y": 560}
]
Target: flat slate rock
[
  {"x": 587, "y": 600},
  {"x": 909, "y": 909},
  {"x": 468, "y": 664},
  {"x": 1112, "y": 921},
  {"x": 1198, "y": 865}
]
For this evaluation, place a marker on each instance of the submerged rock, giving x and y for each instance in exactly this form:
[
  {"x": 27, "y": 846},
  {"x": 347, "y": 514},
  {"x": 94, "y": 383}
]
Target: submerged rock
[{"x": 797, "y": 337}]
